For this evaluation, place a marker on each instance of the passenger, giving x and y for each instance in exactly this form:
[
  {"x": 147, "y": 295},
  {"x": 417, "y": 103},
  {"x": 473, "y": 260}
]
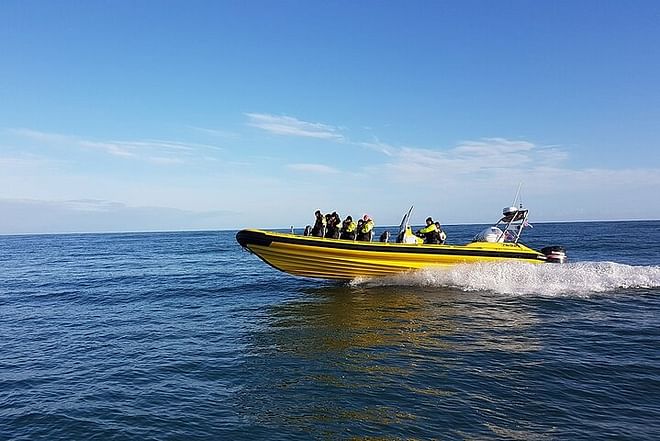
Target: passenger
[
  {"x": 332, "y": 225},
  {"x": 365, "y": 232},
  {"x": 337, "y": 224},
  {"x": 348, "y": 228},
  {"x": 328, "y": 225},
  {"x": 318, "y": 230},
  {"x": 430, "y": 232},
  {"x": 308, "y": 231},
  {"x": 442, "y": 236},
  {"x": 385, "y": 237},
  {"x": 337, "y": 220}
]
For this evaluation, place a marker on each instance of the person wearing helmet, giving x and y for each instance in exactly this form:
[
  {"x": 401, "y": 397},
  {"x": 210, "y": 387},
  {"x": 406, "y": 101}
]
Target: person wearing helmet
[{"x": 429, "y": 232}]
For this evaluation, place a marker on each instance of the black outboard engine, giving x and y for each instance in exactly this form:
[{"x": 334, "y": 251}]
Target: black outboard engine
[
  {"x": 554, "y": 254},
  {"x": 385, "y": 237}
]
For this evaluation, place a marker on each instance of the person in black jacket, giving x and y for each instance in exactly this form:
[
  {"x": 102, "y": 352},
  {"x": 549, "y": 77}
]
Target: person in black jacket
[
  {"x": 430, "y": 232},
  {"x": 348, "y": 229},
  {"x": 318, "y": 230},
  {"x": 333, "y": 224}
]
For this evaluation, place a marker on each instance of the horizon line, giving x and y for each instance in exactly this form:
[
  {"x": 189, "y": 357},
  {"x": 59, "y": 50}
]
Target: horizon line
[{"x": 63, "y": 233}]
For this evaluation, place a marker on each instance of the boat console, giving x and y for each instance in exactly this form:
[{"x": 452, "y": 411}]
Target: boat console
[{"x": 509, "y": 229}]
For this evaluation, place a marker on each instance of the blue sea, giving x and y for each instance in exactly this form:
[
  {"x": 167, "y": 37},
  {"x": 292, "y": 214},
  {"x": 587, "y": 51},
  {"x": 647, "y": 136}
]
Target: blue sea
[{"x": 185, "y": 336}]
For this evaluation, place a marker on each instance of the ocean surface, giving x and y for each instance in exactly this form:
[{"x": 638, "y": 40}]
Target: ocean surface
[{"x": 185, "y": 336}]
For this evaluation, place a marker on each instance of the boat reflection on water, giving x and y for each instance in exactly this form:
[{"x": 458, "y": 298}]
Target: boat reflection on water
[{"x": 349, "y": 361}]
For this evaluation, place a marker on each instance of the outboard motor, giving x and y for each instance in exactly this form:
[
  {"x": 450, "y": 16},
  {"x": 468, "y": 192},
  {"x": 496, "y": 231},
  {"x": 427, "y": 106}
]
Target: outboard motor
[
  {"x": 385, "y": 237},
  {"x": 554, "y": 254}
]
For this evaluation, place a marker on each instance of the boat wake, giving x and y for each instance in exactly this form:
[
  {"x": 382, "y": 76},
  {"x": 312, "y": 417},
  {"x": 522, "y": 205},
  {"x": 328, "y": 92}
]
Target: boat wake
[{"x": 516, "y": 278}]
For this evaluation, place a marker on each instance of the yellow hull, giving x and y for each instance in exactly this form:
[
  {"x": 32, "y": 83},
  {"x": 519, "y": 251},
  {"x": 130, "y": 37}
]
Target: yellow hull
[{"x": 344, "y": 260}]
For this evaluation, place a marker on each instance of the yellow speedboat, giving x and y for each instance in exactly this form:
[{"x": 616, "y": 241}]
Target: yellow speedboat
[{"x": 339, "y": 259}]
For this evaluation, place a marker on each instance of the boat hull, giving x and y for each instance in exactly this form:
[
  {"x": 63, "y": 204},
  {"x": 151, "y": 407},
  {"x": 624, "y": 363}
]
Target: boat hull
[{"x": 345, "y": 260}]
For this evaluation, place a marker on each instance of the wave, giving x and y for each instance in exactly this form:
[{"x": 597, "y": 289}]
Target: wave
[{"x": 517, "y": 278}]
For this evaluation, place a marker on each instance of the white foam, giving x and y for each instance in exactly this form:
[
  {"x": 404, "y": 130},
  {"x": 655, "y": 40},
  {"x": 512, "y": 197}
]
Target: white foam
[{"x": 519, "y": 278}]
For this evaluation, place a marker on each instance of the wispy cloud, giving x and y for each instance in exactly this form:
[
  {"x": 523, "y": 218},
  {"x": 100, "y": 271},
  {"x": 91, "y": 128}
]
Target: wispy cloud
[
  {"x": 121, "y": 149},
  {"x": 33, "y": 215},
  {"x": 313, "y": 168},
  {"x": 163, "y": 160},
  {"x": 479, "y": 158},
  {"x": 289, "y": 126},
  {"x": 27, "y": 160},
  {"x": 493, "y": 146},
  {"x": 378, "y": 146},
  {"x": 150, "y": 150},
  {"x": 95, "y": 205},
  {"x": 215, "y": 132}
]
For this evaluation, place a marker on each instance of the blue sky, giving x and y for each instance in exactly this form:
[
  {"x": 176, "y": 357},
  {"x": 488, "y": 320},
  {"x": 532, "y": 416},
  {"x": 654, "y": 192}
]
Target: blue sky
[{"x": 152, "y": 115}]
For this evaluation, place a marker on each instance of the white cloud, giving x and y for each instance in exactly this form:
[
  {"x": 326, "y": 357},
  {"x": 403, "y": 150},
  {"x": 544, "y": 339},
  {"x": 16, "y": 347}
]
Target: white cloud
[
  {"x": 466, "y": 182},
  {"x": 163, "y": 160},
  {"x": 215, "y": 132},
  {"x": 27, "y": 160},
  {"x": 111, "y": 148},
  {"x": 289, "y": 126},
  {"x": 41, "y": 136},
  {"x": 153, "y": 151},
  {"x": 86, "y": 215},
  {"x": 492, "y": 146},
  {"x": 313, "y": 168},
  {"x": 477, "y": 160},
  {"x": 378, "y": 146},
  {"x": 95, "y": 205}
]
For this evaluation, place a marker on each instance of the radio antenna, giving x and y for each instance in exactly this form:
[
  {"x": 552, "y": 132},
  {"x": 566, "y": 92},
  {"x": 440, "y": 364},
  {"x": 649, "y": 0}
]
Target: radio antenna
[{"x": 515, "y": 201}]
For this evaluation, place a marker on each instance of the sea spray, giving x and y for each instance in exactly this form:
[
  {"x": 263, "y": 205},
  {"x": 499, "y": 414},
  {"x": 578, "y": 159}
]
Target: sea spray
[{"x": 581, "y": 278}]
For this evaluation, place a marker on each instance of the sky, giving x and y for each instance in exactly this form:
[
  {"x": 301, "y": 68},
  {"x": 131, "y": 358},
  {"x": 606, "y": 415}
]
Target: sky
[{"x": 185, "y": 115}]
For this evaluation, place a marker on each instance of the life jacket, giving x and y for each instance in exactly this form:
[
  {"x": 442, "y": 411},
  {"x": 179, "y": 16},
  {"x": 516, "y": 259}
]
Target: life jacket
[
  {"x": 431, "y": 234},
  {"x": 366, "y": 231},
  {"x": 367, "y": 226},
  {"x": 348, "y": 230},
  {"x": 349, "y": 227}
]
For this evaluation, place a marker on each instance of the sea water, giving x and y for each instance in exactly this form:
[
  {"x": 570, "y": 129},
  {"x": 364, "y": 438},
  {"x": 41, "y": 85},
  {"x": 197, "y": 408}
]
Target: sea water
[{"x": 186, "y": 336}]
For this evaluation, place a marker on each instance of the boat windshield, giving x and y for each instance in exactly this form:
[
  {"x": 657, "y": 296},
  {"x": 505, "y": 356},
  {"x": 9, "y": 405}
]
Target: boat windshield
[{"x": 405, "y": 221}]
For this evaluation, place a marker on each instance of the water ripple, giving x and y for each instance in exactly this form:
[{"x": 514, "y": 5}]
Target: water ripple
[{"x": 185, "y": 336}]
